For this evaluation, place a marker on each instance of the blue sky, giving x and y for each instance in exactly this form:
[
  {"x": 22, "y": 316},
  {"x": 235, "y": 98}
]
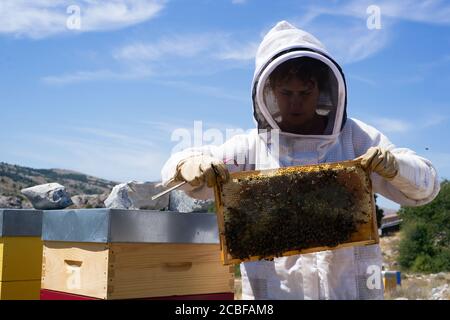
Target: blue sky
[{"x": 104, "y": 99}]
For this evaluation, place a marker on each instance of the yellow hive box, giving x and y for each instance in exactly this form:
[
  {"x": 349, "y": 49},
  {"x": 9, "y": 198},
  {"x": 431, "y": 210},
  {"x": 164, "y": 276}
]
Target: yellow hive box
[
  {"x": 20, "y": 254},
  {"x": 281, "y": 212}
]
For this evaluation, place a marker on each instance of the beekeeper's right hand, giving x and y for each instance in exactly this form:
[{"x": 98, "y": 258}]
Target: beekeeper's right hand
[{"x": 201, "y": 169}]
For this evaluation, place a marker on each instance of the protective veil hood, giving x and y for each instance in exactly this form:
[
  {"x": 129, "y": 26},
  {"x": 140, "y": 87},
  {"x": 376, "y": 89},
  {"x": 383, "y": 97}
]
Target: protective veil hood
[{"x": 282, "y": 43}]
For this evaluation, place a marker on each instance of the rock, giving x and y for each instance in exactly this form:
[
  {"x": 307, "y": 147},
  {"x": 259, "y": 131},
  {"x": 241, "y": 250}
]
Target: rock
[
  {"x": 88, "y": 201},
  {"x": 441, "y": 276},
  {"x": 14, "y": 202},
  {"x": 48, "y": 196},
  {"x": 179, "y": 201},
  {"x": 137, "y": 195},
  {"x": 441, "y": 292}
]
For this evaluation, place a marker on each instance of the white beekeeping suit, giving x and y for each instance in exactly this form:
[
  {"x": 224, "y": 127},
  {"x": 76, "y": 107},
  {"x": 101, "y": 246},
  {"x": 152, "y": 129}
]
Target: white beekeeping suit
[{"x": 347, "y": 273}]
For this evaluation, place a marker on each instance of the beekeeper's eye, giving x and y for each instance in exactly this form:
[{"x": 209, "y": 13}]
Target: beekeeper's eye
[
  {"x": 289, "y": 93},
  {"x": 305, "y": 93},
  {"x": 286, "y": 93}
]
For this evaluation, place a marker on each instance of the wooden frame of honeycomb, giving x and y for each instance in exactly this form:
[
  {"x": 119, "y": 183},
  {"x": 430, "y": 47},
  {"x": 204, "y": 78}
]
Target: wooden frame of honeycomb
[{"x": 294, "y": 210}]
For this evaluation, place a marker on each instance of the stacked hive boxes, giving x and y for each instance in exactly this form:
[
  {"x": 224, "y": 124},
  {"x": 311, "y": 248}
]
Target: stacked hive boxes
[{"x": 20, "y": 254}]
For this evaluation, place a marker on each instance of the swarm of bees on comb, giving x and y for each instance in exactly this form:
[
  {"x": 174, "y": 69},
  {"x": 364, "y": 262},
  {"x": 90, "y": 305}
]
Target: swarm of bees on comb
[{"x": 266, "y": 214}]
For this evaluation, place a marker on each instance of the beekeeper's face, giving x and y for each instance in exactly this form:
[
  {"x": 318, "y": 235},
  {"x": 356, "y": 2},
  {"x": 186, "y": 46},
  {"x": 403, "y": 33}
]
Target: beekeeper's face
[{"x": 297, "y": 101}]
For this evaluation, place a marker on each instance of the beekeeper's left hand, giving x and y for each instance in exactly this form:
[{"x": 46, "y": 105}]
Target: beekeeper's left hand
[
  {"x": 381, "y": 161},
  {"x": 202, "y": 169}
]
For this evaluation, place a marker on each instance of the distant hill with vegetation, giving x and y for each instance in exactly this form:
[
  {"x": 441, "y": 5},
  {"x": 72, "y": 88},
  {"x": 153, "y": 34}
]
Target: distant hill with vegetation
[{"x": 13, "y": 178}]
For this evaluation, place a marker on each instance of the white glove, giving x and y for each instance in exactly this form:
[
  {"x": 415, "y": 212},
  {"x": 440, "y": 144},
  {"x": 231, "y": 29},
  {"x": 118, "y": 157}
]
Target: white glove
[
  {"x": 201, "y": 169},
  {"x": 381, "y": 161}
]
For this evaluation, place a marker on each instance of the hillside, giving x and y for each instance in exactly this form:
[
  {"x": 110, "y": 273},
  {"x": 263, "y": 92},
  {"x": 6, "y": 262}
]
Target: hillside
[{"x": 13, "y": 178}]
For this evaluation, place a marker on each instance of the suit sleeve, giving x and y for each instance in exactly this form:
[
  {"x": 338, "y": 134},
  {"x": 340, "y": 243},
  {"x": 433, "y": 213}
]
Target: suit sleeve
[
  {"x": 234, "y": 153},
  {"x": 417, "y": 181}
]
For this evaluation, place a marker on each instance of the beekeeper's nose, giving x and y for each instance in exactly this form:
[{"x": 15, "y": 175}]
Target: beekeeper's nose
[{"x": 296, "y": 101}]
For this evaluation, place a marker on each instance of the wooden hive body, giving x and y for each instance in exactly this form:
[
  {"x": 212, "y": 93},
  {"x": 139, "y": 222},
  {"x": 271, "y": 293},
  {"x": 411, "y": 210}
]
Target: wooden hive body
[
  {"x": 140, "y": 255},
  {"x": 281, "y": 212},
  {"x": 134, "y": 270}
]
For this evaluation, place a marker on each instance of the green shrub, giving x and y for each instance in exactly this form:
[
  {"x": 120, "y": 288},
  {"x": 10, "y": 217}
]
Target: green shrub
[{"x": 425, "y": 241}]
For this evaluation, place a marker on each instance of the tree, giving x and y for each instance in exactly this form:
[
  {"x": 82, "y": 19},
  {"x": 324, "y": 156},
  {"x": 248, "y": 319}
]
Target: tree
[{"x": 425, "y": 242}]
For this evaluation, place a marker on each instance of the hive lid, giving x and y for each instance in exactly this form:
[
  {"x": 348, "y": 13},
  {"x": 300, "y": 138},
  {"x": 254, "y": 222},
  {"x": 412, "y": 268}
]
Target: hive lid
[
  {"x": 129, "y": 226},
  {"x": 20, "y": 223}
]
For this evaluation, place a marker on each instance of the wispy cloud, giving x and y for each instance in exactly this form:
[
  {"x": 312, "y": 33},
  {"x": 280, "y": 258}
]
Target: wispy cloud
[
  {"x": 242, "y": 52},
  {"x": 362, "y": 79},
  {"x": 127, "y": 140},
  {"x": 430, "y": 11},
  {"x": 96, "y": 75},
  {"x": 42, "y": 18},
  {"x": 394, "y": 125},
  {"x": 434, "y": 120},
  {"x": 219, "y": 46},
  {"x": 349, "y": 39},
  {"x": 238, "y": 1},
  {"x": 167, "y": 47},
  {"x": 134, "y": 150},
  {"x": 122, "y": 154},
  {"x": 425, "y": 70},
  {"x": 171, "y": 125},
  {"x": 116, "y": 162},
  {"x": 212, "y": 91},
  {"x": 160, "y": 58},
  {"x": 389, "y": 125}
]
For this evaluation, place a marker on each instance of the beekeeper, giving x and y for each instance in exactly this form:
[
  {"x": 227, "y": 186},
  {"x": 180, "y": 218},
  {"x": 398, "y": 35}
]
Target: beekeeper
[{"x": 299, "y": 104}]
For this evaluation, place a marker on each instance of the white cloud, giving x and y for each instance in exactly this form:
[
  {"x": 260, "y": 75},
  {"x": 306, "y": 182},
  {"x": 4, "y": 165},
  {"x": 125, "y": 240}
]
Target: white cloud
[
  {"x": 122, "y": 154},
  {"x": 238, "y": 1},
  {"x": 134, "y": 142},
  {"x": 362, "y": 79},
  {"x": 243, "y": 52},
  {"x": 434, "y": 120},
  {"x": 430, "y": 11},
  {"x": 393, "y": 125},
  {"x": 207, "y": 90},
  {"x": 96, "y": 75},
  {"x": 119, "y": 163},
  {"x": 42, "y": 18},
  {"x": 174, "y": 46},
  {"x": 143, "y": 59},
  {"x": 355, "y": 43},
  {"x": 217, "y": 45},
  {"x": 349, "y": 39},
  {"x": 390, "y": 125}
]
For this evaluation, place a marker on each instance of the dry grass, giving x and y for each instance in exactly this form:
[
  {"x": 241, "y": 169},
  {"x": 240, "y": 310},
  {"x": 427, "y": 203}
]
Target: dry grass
[
  {"x": 413, "y": 286},
  {"x": 420, "y": 287}
]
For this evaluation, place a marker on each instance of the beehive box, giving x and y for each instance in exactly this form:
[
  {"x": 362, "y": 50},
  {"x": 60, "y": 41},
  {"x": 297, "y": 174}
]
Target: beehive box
[
  {"x": 20, "y": 254},
  {"x": 132, "y": 254},
  {"x": 281, "y": 212}
]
